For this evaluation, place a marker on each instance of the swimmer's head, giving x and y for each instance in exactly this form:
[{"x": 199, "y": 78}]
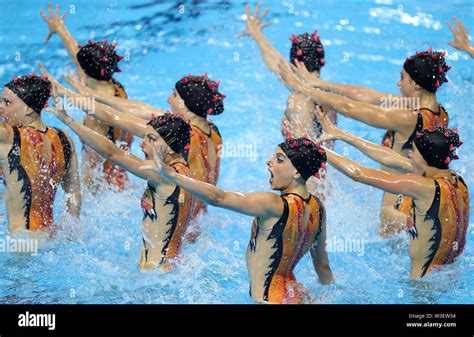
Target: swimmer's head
[
  {"x": 295, "y": 159},
  {"x": 199, "y": 94},
  {"x": 423, "y": 71},
  {"x": 99, "y": 60},
  {"x": 435, "y": 147},
  {"x": 168, "y": 129},
  {"x": 24, "y": 96},
  {"x": 308, "y": 49}
]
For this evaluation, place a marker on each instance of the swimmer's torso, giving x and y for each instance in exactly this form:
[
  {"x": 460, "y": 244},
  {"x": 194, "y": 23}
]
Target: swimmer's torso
[
  {"x": 164, "y": 223},
  {"x": 394, "y": 208},
  {"x": 275, "y": 249},
  {"x": 438, "y": 235},
  {"x": 301, "y": 107},
  {"x": 33, "y": 169},
  {"x": 203, "y": 158},
  {"x": 114, "y": 175}
]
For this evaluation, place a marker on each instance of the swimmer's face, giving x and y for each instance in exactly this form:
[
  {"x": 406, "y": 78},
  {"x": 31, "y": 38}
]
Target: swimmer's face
[
  {"x": 282, "y": 171},
  {"x": 153, "y": 139},
  {"x": 417, "y": 160},
  {"x": 13, "y": 108},
  {"x": 407, "y": 86},
  {"x": 177, "y": 105}
]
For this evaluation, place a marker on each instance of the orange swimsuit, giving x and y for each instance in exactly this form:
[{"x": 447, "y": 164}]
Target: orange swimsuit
[
  {"x": 426, "y": 119},
  {"x": 450, "y": 215},
  {"x": 40, "y": 176},
  {"x": 182, "y": 203},
  {"x": 116, "y": 175},
  {"x": 293, "y": 238},
  {"x": 197, "y": 158}
]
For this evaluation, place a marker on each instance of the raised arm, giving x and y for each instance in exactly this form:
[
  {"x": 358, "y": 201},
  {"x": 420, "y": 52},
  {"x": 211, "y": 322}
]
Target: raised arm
[
  {"x": 408, "y": 184},
  {"x": 104, "y": 113},
  {"x": 402, "y": 121},
  {"x": 56, "y": 25},
  {"x": 71, "y": 182},
  {"x": 109, "y": 115},
  {"x": 261, "y": 204},
  {"x": 136, "y": 108},
  {"x": 105, "y": 147},
  {"x": 254, "y": 27},
  {"x": 379, "y": 153},
  {"x": 354, "y": 92},
  {"x": 461, "y": 39}
]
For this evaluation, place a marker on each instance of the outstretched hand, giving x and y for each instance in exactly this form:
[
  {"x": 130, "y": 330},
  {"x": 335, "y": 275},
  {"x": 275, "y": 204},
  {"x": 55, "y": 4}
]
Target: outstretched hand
[
  {"x": 54, "y": 21},
  {"x": 304, "y": 74},
  {"x": 254, "y": 23},
  {"x": 75, "y": 81},
  {"x": 289, "y": 75},
  {"x": 58, "y": 109},
  {"x": 60, "y": 89},
  {"x": 461, "y": 40},
  {"x": 330, "y": 131},
  {"x": 158, "y": 165}
]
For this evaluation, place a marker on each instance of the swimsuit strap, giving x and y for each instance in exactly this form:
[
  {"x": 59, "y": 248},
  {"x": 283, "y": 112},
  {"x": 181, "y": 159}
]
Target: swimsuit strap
[{"x": 305, "y": 199}]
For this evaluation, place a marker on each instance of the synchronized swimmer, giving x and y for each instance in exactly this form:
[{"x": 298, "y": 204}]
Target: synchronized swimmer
[{"x": 422, "y": 195}]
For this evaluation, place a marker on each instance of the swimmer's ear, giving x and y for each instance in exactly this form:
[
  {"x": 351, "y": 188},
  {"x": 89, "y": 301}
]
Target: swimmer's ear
[
  {"x": 296, "y": 175},
  {"x": 29, "y": 111},
  {"x": 418, "y": 87}
]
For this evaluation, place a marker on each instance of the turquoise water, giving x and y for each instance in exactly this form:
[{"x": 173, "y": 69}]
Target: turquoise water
[{"x": 366, "y": 43}]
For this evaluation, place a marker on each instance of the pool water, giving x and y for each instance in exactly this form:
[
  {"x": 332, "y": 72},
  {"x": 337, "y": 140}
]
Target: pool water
[{"x": 366, "y": 43}]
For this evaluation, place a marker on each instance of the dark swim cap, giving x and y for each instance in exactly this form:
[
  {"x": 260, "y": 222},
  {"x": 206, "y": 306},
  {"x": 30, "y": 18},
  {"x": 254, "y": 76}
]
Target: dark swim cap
[
  {"x": 306, "y": 156},
  {"x": 99, "y": 59},
  {"x": 201, "y": 95},
  {"x": 309, "y": 50},
  {"x": 437, "y": 146},
  {"x": 428, "y": 69},
  {"x": 32, "y": 89},
  {"x": 174, "y": 130}
]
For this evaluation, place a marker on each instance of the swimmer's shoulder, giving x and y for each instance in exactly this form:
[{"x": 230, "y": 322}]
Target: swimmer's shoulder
[{"x": 213, "y": 127}]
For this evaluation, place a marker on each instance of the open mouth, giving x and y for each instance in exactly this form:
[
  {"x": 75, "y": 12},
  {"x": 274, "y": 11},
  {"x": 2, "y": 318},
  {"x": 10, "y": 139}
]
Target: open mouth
[{"x": 271, "y": 177}]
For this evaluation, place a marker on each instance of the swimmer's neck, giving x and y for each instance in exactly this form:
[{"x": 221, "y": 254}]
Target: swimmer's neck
[
  {"x": 200, "y": 122},
  {"x": 296, "y": 188},
  {"x": 428, "y": 101},
  {"x": 35, "y": 122},
  {"x": 433, "y": 172},
  {"x": 316, "y": 74},
  {"x": 102, "y": 86},
  {"x": 172, "y": 158}
]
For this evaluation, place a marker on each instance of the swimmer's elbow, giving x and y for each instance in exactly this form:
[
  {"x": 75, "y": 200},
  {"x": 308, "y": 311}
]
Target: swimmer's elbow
[
  {"x": 356, "y": 174},
  {"x": 216, "y": 199},
  {"x": 219, "y": 198}
]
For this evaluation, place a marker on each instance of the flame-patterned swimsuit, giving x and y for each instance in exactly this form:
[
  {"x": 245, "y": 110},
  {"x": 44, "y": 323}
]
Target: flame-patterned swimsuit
[
  {"x": 273, "y": 252},
  {"x": 165, "y": 221},
  {"x": 426, "y": 118},
  {"x": 34, "y": 172},
  {"x": 116, "y": 175},
  {"x": 448, "y": 218},
  {"x": 203, "y": 159}
]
